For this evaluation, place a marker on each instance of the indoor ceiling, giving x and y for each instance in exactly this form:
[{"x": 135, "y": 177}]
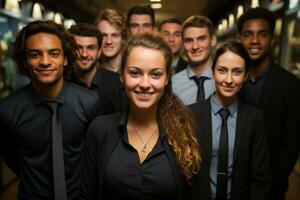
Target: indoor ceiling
[{"x": 87, "y": 10}]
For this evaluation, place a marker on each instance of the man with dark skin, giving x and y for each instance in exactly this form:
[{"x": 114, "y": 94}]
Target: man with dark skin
[
  {"x": 45, "y": 52},
  {"x": 275, "y": 91}
]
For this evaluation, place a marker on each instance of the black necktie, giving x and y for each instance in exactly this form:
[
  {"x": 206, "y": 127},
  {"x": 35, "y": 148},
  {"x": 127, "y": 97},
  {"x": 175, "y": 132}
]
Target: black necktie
[
  {"x": 223, "y": 158},
  {"x": 57, "y": 155},
  {"x": 199, "y": 82}
]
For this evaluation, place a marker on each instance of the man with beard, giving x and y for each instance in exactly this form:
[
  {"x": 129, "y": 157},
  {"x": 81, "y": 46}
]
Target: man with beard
[
  {"x": 195, "y": 83},
  {"x": 88, "y": 74},
  {"x": 170, "y": 30},
  {"x": 275, "y": 91},
  {"x": 112, "y": 26}
]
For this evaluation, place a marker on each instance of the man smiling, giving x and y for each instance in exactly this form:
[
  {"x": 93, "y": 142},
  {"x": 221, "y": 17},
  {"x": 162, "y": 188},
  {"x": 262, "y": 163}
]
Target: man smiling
[{"x": 195, "y": 84}]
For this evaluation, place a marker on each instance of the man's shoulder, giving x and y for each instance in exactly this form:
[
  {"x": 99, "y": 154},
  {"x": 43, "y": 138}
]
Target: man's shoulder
[
  {"x": 180, "y": 76},
  {"x": 79, "y": 90},
  {"x": 284, "y": 74},
  {"x": 17, "y": 96}
]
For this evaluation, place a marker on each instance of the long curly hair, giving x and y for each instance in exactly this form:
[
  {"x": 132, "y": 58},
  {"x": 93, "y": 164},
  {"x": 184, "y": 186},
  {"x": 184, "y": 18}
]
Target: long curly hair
[{"x": 176, "y": 119}]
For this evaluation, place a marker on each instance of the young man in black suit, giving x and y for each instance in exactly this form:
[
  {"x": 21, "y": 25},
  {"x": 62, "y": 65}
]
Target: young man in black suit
[
  {"x": 235, "y": 157},
  {"x": 90, "y": 75},
  {"x": 275, "y": 91}
]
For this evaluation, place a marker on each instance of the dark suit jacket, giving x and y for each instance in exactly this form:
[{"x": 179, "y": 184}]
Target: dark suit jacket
[
  {"x": 251, "y": 177},
  {"x": 280, "y": 103},
  {"x": 109, "y": 88},
  {"x": 181, "y": 65},
  {"x": 102, "y": 137}
]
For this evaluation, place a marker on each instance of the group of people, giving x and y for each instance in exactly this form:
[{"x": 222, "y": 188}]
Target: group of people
[{"x": 113, "y": 111}]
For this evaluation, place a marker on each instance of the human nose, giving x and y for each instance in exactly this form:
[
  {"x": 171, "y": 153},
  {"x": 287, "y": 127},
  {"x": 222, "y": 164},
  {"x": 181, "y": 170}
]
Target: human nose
[
  {"x": 83, "y": 52},
  {"x": 44, "y": 61},
  {"x": 195, "y": 45},
  {"x": 108, "y": 39},
  {"x": 145, "y": 82},
  {"x": 228, "y": 78},
  {"x": 254, "y": 39},
  {"x": 171, "y": 38}
]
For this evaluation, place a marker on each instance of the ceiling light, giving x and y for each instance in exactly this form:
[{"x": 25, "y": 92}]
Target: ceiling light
[
  {"x": 156, "y": 5},
  {"x": 12, "y": 5},
  {"x": 231, "y": 20},
  {"x": 240, "y": 11},
  {"x": 37, "y": 11},
  {"x": 57, "y": 18},
  {"x": 155, "y": 0},
  {"x": 254, "y": 3}
]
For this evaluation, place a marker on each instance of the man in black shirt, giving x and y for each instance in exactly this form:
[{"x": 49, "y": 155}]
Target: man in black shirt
[
  {"x": 45, "y": 51},
  {"x": 89, "y": 74},
  {"x": 275, "y": 91}
]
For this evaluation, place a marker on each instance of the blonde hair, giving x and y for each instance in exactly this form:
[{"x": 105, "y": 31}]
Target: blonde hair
[{"x": 114, "y": 18}]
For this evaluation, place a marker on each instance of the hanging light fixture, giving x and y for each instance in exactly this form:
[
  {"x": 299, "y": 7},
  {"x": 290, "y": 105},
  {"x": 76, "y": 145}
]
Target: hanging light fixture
[
  {"x": 230, "y": 20},
  {"x": 156, "y": 5},
  {"x": 37, "y": 11},
  {"x": 240, "y": 11},
  {"x": 57, "y": 18},
  {"x": 254, "y": 3},
  {"x": 12, "y": 5}
]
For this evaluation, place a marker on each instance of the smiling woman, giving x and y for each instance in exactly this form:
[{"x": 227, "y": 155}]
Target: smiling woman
[
  {"x": 232, "y": 135},
  {"x": 150, "y": 151}
]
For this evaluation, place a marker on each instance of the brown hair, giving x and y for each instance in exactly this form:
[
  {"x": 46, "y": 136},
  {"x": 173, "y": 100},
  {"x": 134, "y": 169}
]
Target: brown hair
[
  {"x": 175, "y": 118},
  {"x": 198, "y": 21}
]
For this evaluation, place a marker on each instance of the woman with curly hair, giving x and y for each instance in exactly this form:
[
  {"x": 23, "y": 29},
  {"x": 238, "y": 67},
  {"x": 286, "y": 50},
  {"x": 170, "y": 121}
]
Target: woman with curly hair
[{"x": 149, "y": 151}]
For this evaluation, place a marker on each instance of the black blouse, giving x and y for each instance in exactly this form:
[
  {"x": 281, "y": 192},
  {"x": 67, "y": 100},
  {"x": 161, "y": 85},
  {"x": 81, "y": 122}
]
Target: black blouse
[
  {"x": 111, "y": 169},
  {"x": 127, "y": 178}
]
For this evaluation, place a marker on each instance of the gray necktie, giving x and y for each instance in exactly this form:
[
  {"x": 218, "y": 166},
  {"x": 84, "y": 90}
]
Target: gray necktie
[
  {"x": 57, "y": 155},
  {"x": 200, "y": 92},
  {"x": 223, "y": 157}
]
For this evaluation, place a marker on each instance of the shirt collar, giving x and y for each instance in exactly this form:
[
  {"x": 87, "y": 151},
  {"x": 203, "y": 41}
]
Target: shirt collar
[
  {"x": 216, "y": 107},
  {"x": 123, "y": 124},
  {"x": 38, "y": 99},
  {"x": 207, "y": 73}
]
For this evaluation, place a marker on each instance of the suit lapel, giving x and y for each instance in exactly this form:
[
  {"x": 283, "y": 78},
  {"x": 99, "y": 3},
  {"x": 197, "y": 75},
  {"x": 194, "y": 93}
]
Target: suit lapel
[
  {"x": 269, "y": 87},
  {"x": 240, "y": 130},
  {"x": 206, "y": 129}
]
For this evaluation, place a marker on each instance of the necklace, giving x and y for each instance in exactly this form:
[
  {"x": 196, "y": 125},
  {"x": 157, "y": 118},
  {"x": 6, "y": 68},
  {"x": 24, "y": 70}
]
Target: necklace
[{"x": 138, "y": 134}]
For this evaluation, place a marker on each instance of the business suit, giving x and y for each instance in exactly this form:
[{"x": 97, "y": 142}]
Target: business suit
[
  {"x": 250, "y": 173},
  {"x": 102, "y": 138},
  {"x": 279, "y": 102},
  {"x": 181, "y": 65}
]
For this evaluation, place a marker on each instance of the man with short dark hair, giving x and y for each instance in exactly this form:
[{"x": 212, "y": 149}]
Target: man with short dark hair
[
  {"x": 90, "y": 75},
  {"x": 275, "y": 91},
  {"x": 170, "y": 30},
  {"x": 195, "y": 83},
  {"x": 140, "y": 19},
  {"x": 43, "y": 124}
]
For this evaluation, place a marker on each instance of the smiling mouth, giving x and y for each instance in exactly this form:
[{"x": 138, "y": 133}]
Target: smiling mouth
[{"x": 144, "y": 94}]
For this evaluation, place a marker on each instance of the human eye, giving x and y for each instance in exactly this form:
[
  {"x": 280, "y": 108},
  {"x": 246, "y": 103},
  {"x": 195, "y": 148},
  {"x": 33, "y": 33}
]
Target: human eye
[
  {"x": 134, "y": 73},
  {"x": 92, "y": 47},
  {"x": 33, "y": 54},
  {"x": 246, "y": 34},
  {"x": 238, "y": 72},
  {"x": 134, "y": 25},
  {"x": 116, "y": 35},
  {"x": 222, "y": 70},
  {"x": 148, "y": 25},
  {"x": 54, "y": 53},
  {"x": 156, "y": 74},
  {"x": 188, "y": 40}
]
